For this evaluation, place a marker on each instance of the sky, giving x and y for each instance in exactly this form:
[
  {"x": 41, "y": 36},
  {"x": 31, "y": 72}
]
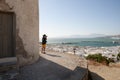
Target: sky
[{"x": 60, "y": 18}]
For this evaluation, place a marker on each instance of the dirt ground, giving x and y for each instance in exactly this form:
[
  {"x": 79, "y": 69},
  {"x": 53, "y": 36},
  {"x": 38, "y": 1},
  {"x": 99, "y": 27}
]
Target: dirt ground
[{"x": 111, "y": 72}]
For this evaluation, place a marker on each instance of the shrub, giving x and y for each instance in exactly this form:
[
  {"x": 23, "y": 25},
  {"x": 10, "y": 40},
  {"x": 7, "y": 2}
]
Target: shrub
[
  {"x": 99, "y": 58},
  {"x": 111, "y": 60},
  {"x": 113, "y": 55},
  {"x": 118, "y": 56}
]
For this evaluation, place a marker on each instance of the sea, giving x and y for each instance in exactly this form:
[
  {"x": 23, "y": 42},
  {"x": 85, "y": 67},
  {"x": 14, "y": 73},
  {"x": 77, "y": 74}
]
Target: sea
[{"x": 94, "y": 42}]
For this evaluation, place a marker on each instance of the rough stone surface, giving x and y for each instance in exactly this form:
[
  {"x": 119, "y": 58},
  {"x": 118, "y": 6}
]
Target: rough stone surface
[
  {"x": 54, "y": 66},
  {"x": 9, "y": 75}
]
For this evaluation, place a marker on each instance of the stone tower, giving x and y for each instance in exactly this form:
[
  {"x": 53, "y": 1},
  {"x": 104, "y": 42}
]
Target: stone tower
[{"x": 25, "y": 32}]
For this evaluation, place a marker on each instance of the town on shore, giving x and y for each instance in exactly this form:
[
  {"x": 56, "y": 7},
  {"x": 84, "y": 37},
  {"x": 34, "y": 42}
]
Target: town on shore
[{"x": 109, "y": 52}]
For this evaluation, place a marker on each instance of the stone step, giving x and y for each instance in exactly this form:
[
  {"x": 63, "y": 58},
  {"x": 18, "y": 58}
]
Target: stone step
[
  {"x": 8, "y": 63},
  {"x": 79, "y": 74}
]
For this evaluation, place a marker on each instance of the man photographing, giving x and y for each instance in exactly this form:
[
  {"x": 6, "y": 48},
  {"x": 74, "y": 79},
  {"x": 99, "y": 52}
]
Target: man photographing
[{"x": 44, "y": 41}]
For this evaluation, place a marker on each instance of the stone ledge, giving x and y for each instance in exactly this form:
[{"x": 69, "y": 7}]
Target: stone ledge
[
  {"x": 9, "y": 59},
  {"x": 8, "y": 63}
]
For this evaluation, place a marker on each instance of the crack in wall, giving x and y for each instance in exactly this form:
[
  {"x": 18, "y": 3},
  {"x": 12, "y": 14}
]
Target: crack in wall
[
  {"x": 22, "y": 56},
  {"x": 20, "y": 47}
]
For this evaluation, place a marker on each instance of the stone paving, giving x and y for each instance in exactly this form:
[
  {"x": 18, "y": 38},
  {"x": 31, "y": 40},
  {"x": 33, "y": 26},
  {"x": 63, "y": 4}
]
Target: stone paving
[
  {"x": 54, "y": 66},
  {"x": 9, "y": 75},
  {"x": 50, "y": 66}
]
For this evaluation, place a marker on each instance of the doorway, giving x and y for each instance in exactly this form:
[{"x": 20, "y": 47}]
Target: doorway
[{"x": 7, "y": 34}]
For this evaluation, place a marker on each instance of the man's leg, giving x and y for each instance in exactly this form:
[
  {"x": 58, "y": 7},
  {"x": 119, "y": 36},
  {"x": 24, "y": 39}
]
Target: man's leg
[{"x": 43, "y": 48}]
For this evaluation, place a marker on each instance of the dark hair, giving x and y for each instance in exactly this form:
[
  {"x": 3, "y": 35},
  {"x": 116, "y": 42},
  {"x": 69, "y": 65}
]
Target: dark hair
[{"x": 45, "y": 35}]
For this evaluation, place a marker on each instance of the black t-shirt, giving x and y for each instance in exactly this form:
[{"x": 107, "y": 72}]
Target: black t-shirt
[{"x": 44, "y": 40}]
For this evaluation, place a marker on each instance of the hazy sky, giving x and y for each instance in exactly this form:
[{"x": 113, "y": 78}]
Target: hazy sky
[{"x": 79, "y": 17}]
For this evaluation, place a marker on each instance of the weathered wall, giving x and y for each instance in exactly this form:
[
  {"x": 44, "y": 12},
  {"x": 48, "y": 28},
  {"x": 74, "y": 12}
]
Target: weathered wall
[{"x": 27, "y": 28}]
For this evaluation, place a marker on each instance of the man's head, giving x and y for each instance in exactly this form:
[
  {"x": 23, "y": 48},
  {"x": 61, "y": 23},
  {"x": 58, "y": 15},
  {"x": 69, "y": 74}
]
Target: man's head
[{"x": 44, "y": 35}]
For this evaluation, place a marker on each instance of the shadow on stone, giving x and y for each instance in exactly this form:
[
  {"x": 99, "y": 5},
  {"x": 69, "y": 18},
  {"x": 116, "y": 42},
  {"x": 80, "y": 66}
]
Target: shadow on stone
[
  {"x": 45, "y": 69},
  {"x": 94, "y": 76}
]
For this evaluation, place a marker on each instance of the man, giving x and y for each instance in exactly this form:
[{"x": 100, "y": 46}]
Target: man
[{"x": 44, "y": 41}]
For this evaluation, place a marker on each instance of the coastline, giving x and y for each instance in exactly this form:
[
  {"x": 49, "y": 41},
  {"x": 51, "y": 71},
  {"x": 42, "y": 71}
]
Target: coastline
[{"x": 110, "y": 72}]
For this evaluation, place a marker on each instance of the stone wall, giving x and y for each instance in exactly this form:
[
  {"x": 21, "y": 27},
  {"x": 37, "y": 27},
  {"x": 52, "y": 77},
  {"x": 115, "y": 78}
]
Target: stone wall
[{"x": 27, "y": 28}]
